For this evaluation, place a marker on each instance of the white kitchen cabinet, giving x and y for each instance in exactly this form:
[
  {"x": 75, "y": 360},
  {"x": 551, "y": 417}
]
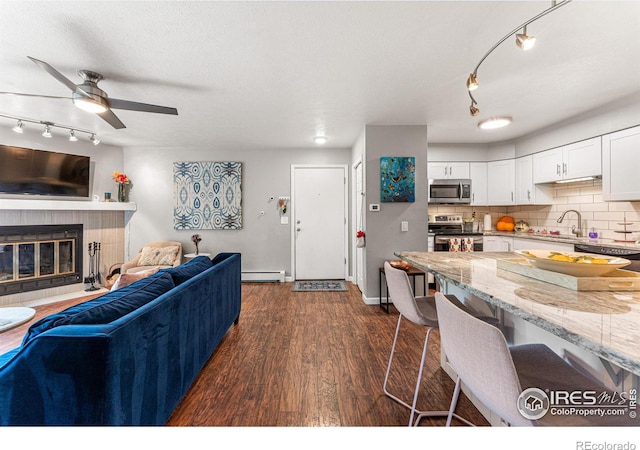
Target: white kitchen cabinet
[
  {"x": 501, "y": 182},
  {"x": 453, "y": 170},
  {"x": 497, "y": 244},
  {"x": 620, "y": 162},
  {"x": 577, "y": 160},
  {"x": 478, "y": 174},
  {"x": 527, "y": 193}
]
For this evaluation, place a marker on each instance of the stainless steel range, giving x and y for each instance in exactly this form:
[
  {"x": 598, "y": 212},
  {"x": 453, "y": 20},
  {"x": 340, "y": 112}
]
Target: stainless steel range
[{"x": 443, "y": 227}]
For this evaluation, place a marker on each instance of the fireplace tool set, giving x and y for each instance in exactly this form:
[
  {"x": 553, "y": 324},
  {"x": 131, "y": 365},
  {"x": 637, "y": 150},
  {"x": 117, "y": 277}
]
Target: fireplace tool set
[{"x": 94, "y": 266}]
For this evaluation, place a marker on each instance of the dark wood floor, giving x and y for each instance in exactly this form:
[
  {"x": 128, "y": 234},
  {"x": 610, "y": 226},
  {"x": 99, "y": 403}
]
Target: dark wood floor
[{"x": 307, "y": 359}]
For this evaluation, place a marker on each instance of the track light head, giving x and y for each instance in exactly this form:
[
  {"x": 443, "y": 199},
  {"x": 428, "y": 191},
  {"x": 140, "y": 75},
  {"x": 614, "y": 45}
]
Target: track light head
[
  {"x": 19, "y": 128},
  {"x": 72, "y": 136},
  {"x": 472, "y": 82},
  {"x": 94, "y": 139},
  {"x": 473, "y": 110},
  {"x": 47, "y": 131},
  {"x": 525, "y": 41}
]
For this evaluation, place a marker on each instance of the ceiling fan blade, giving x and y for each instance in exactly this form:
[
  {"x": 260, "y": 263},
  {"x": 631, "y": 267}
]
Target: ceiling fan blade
[
  {"x": 112, "y": 119},
  {"x": 33, "y": 95},
  {"x": 116, "y": 103},
  {"x": 58, "y": 76}
]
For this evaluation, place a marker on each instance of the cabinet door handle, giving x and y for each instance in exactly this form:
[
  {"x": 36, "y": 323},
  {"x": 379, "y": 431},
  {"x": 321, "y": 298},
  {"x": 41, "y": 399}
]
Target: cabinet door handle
[
  {"x": 528, "y": 194},
  {"x": 564, "y": 168},
  {"x": 558, "y": 169},
  {"x": 511, "y": 195}
]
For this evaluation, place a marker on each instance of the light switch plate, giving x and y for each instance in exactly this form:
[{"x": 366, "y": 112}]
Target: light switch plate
[
  {"x": 404, "y": 226},
  {"x": 284, "y": 220},
  {"x": 374, "y": 207}
]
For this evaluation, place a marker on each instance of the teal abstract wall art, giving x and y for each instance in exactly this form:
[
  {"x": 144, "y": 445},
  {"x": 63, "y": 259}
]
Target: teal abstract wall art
[
  {"x": 397, "y": 179},
  {"x": 207, "y": 195}
]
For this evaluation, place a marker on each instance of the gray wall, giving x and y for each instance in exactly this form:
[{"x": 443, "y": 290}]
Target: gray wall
[
  {"x": 265, "y": 244},
  {"x": 383, "y": 228}
]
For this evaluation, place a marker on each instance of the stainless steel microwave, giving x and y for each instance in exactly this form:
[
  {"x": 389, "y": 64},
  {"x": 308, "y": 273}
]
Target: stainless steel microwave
[{"x": 449, "y": 191}]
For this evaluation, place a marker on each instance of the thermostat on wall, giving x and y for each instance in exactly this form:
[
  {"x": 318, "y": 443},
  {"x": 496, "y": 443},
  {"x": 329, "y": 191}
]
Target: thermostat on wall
[{"x": 374, "y": 207}]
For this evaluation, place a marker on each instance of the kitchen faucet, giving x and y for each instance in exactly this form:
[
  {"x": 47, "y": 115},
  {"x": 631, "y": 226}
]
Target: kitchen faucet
[{"x": 574, "y": 230}]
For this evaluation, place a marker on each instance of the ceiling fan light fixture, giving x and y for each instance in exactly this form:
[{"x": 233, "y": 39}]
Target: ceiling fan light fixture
[
  {"x": 72, "y": 136},
  {"x": 472, "y": 82},
  {"x": 90, "y": 104},
  {"x": 94, "y": 139},
  {"x": 19, "y": 128},
  {"x": 494, "y": 122},
  {"x": 47, "y": 131}
]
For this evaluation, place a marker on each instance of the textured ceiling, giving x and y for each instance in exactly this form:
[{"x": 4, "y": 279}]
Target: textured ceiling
[{"x": 274, "y": 74}]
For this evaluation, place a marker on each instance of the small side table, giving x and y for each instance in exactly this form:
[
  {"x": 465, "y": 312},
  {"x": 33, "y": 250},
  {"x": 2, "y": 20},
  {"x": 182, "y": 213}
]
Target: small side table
[
  {"x": 193, "y": 255},
  {"x": 412, "y": 272}
]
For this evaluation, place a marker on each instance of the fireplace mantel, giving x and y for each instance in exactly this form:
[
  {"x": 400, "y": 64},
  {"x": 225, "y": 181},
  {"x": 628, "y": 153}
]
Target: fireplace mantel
[{"x": 64, "y": 205}]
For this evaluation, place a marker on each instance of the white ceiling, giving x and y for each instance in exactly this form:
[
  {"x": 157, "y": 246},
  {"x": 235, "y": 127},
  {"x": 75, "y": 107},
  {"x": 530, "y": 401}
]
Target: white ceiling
[{"x": 274, "y": 74}]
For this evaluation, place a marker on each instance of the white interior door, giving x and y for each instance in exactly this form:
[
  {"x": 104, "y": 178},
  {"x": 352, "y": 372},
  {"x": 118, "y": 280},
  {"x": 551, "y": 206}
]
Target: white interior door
[{"x": 319, "y": 222}]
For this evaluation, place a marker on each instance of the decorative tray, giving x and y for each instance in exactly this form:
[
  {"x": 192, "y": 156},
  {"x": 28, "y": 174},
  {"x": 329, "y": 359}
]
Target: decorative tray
[{"x": 616, "y": 280}]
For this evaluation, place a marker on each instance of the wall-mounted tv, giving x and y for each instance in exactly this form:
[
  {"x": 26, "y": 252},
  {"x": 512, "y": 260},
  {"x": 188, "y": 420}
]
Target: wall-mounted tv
[{"x": 39, "y": 172}]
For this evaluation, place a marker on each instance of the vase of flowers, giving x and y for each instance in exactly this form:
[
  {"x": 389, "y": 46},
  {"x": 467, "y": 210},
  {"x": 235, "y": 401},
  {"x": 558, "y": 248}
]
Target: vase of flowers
[
  {"x": 122, "y": 181},
  {"x": 196, "y": 240}
]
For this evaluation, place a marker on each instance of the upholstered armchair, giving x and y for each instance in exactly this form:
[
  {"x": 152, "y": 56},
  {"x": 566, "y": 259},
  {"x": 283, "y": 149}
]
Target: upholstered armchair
[{"x": 160, "y": 254}]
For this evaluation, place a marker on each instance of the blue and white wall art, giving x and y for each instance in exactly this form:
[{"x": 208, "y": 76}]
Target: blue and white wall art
[
  {"x": 397, "y": 179},
  {"x": 207, "y": 195}
]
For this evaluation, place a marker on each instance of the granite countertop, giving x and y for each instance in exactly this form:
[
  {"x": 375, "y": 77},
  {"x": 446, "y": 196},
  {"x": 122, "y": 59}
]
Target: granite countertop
[
  {"x": 603, "y": 322},
  {"x": 563, "y": 238}
]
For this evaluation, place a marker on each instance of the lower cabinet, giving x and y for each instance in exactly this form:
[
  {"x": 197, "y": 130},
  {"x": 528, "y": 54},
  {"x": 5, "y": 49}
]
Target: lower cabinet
[{"x": 497, "y": 244}]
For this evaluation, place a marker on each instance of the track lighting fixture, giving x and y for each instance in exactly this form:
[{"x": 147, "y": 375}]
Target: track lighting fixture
[
  {"x": 472, "y": 82},
  {"x": 19, "y": 128},
  {"x": 524, "y": 41},
  {"x": 48, "y": 126}
]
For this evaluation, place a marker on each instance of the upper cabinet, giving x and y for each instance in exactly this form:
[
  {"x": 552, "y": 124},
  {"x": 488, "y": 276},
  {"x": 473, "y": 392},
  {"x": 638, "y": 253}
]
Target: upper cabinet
[
  {"x": 478, "y": 175},
  {"x": 620, "y": 162},
  {"x": 577, "y": 160},
  {"x": 501, "y": 182},
  {"x": 454, "y": 170},
  {"x": 528, "y": 193}
]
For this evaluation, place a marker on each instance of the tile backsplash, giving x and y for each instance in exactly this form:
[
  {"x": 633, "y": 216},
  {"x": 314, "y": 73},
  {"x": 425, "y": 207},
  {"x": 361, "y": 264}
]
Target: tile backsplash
[{"x": 607, "y": 218}]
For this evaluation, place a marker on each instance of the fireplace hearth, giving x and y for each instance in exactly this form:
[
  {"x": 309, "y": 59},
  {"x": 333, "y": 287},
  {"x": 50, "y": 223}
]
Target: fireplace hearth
[{"x": 34, "y": 257}]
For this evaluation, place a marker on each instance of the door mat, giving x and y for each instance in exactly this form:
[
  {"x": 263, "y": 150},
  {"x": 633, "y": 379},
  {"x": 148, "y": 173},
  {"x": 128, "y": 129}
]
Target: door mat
[{"x": 319, "y": 285}]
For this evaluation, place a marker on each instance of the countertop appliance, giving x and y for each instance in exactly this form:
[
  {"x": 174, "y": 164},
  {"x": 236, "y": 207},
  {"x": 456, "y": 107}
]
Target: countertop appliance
[
  {"x": 632, "y": 255},
  {"x": 446, "y": 191},
  {"x": 442, "y": 227}
]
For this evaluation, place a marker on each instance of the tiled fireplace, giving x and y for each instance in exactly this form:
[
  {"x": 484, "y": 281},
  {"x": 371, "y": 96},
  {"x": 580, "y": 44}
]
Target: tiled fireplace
[{"x": 34, "y": 257}]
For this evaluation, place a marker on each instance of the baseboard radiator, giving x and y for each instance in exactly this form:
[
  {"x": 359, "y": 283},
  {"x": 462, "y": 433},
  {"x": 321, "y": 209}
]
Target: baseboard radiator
[{"x": 263, "y": 276}]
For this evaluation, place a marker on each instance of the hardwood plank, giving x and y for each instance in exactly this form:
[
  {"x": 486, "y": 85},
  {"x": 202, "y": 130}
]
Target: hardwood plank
[{"x": 300, "y": 359}]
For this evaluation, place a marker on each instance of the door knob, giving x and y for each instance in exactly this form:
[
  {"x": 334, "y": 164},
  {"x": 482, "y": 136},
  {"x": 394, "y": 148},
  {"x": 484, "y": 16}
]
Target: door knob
[{"x": 298, "y": 229}]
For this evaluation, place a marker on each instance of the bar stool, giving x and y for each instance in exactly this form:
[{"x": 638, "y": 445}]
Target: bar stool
[
  {"x": 498, "y": 374},
  {"x": 419, "y": 310}
]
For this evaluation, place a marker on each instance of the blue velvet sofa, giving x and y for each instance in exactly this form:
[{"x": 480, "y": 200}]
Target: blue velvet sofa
[{"x": 127, "y": 357}]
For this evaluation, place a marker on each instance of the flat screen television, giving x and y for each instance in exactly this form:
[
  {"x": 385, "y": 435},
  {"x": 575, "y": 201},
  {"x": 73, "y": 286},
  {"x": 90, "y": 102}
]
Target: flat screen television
[{"x": 39, "y": 172}]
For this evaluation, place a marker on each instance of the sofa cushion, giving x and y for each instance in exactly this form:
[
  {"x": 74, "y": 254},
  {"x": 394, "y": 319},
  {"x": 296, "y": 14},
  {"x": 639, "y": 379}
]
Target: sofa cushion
[
  {"x": 158, "y": 256},
  {"x": 185, "y": 271},
  {"x": 106, "y": 308},
  {"x": 125, "y": 279}
]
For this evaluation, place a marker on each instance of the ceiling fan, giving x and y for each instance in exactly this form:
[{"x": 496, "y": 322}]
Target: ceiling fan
[{"x": 89, "y": 97}]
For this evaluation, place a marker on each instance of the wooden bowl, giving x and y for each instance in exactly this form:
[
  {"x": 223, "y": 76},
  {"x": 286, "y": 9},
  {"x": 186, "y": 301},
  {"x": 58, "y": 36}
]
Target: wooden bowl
[{"x": 400, "y": 264}]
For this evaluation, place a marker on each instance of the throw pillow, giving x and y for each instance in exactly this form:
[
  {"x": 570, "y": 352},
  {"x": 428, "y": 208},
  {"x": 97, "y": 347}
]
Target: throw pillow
[
  {"x": 158, "y": 256},
  {"x": 189, "y": 270},
  {"x": 125, "y": 279}
]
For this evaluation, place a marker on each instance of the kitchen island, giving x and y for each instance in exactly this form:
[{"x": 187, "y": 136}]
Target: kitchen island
[{"x": 604, "y": 323}]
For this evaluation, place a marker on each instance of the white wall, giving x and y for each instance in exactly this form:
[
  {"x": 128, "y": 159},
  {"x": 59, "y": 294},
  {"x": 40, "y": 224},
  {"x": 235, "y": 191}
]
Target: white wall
[{"x": 265, "y": 244}]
